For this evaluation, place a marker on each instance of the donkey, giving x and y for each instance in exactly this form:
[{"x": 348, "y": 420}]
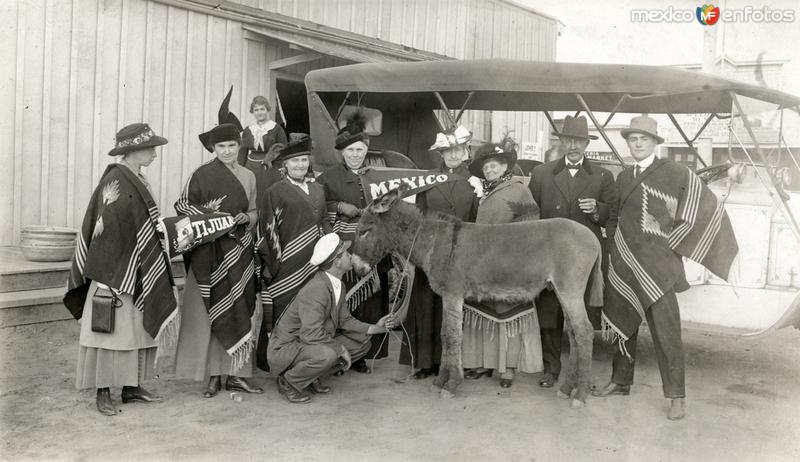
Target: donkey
[{"x": 502, "y": 263}]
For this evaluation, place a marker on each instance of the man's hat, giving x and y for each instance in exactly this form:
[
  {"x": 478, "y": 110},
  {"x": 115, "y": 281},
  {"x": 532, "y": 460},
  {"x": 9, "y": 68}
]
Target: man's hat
[
  {"x": 644, "y": 125},
  {"x": 219, "y": 134},
  {"x": 297, "y": 147},
  {"x": 327, "y": 248},
  {"x": 451, "y": 138},
  {"x": 134, "y": 137},
  {"x": 505, "y": 151},
  {"x": 576, "y": 127}
]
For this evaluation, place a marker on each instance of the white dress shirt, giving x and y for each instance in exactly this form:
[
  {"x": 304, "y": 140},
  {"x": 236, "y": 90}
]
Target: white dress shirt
[
  {"x": 644, "y": 163},
  {"x": 337, "y": 286},
  {"x": 573, "y": 171}
]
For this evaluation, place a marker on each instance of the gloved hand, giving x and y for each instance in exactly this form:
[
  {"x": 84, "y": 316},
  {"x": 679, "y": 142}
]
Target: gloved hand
[
  {"x": 273, "y": 152},
  {"x": 348, "y": 210}
]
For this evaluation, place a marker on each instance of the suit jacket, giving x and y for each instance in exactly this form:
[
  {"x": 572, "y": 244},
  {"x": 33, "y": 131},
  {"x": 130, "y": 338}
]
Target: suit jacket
[
  {"x": 312, "y": 318},
  {"x": 456, "y": 198},
  {"x": 550, "y": 186}
]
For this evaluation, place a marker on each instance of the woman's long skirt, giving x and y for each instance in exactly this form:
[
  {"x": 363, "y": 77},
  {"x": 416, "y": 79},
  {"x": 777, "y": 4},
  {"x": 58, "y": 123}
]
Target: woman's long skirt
[
  {"x": 199, "y": 354},
  {"x": 492, "y": 348},
  {"x": 424, "y": 325},
  {"x": 124, "y": 357}
]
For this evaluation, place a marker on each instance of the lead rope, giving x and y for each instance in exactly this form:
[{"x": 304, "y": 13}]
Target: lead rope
[{"x": 394, "y": 307}]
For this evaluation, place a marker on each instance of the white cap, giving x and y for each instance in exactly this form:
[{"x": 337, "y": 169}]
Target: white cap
[{"x": 326, "y": 247}]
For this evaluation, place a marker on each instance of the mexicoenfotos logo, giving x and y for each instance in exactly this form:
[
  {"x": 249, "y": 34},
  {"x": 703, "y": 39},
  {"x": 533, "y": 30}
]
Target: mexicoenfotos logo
[{"x": 708, "y": 15}]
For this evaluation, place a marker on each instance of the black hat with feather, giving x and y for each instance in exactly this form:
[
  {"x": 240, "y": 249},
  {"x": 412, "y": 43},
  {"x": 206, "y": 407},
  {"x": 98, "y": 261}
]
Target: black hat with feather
[
  {"x": 224, "y": 117},
  {"x": 353, "y": 131},
  {"x": 504, "y": 151}
]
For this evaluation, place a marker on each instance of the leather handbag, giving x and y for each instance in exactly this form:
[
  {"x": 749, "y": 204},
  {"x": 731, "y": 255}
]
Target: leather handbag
[{"x": 104, "y": 304}]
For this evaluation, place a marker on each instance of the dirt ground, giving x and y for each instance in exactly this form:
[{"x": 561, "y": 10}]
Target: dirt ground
[{"x": 743, "y": 404}]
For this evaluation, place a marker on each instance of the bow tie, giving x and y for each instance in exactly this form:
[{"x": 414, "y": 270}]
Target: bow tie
[{"x": 573, "y": 166}]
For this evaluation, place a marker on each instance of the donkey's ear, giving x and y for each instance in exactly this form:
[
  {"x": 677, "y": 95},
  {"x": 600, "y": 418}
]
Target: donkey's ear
[{"x": 385, "y": 202}]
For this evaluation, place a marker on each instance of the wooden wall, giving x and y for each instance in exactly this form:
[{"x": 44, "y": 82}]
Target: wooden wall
[{"x": 77, "y": 70}]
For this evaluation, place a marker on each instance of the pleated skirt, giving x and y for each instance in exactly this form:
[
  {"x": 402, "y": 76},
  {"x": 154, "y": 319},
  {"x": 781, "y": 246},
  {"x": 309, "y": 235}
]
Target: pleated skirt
[{"x": 102, "y": 368}]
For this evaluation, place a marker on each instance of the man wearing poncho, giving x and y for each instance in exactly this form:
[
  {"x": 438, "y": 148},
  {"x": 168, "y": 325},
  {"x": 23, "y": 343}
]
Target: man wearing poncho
[
  {"x": 664, "y": 213},
  {"x": 216, "y": 336}
]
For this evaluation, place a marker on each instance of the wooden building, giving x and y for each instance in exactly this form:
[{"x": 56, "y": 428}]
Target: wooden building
[{"x": 77, "y": 70}]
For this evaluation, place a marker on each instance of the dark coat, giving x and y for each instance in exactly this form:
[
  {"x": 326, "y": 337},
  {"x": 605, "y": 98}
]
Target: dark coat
[
  {"x": 550, "y": 186},
  {"x": 424, "y": 319},
  {"x": 455, "y": 198}
]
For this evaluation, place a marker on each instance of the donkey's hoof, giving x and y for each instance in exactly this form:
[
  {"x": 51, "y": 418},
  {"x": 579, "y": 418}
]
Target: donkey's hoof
[
  {"x": 577, "y": 404},
  {"x": 444, "y": 394},
  {"x": 562, "y": 395}
]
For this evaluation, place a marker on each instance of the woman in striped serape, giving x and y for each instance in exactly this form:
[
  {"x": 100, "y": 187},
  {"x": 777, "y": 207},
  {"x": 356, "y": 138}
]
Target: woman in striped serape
[{"x": 292, "y": 217}]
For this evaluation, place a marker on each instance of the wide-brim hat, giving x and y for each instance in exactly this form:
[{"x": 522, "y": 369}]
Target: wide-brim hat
[
  {"x": 576, "y": 127},
  {"x": 489, "y": 152},
  {"x": 134, "y": 137},
  {"x": 327, "y": 248},
  {"x": 644, "y": 125},
  {"x": 349, "y": 135},
  {"x": 448, "y": 139},
  {"x": 298, "y": 147},
  {"x": 219, "y": 134}
]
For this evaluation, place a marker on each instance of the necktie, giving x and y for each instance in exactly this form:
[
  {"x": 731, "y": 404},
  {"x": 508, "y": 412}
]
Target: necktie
[
  {"x": 573, "y": 166},
  {"x": 637, "y": 171}
]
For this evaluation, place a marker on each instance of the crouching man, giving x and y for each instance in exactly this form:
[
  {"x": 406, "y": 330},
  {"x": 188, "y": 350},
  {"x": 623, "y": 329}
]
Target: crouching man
[{"x": 316, "y": 335}]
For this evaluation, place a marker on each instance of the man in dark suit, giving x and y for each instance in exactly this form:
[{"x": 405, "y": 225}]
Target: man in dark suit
[
  {"x": 316, "y": 334},
  {"x": 569, "y": 187}
]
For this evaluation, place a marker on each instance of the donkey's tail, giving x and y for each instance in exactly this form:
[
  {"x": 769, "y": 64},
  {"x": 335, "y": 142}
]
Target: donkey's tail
[{"x": 596, "y": 292}]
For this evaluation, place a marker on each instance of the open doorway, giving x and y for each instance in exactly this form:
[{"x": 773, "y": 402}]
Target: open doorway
[{"x": 292, "y": 106}]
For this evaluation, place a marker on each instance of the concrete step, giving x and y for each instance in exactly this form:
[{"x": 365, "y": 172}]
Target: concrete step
[
  {"x": 40, "y": 305},
  {"x": 18, "y": 274}
]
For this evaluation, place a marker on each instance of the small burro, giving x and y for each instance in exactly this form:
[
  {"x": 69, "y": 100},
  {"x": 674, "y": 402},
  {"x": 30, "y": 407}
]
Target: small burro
[{"x": 510, "y": 262}]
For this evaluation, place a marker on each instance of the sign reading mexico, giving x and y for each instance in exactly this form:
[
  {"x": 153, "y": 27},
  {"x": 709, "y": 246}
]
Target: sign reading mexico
[
  {"x": 185, "y": 233},
  {"x": 380, "y": 180}
]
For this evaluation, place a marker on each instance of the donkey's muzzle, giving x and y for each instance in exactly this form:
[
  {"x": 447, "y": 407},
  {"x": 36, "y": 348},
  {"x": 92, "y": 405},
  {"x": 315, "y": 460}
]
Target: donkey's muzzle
[{"x": 360, "y": 266}]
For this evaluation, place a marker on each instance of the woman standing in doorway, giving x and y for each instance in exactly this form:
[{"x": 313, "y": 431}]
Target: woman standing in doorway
[{"x": 261, "y": 143}]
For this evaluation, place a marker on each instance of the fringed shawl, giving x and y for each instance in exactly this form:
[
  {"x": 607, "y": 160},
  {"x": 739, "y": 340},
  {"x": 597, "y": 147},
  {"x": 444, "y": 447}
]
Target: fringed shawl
[
  {"x": 289, "y": 226},
  {"x": 119, "y": 246},
  {"x": 664, "y": 214},
  {"x": 224, "y": 268}
]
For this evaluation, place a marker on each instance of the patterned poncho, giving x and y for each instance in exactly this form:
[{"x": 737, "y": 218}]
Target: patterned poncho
[
  {"x": 664, "y": 214},
  {"x": 224, "y": 268},
  {"x": 119, "y": 246}
]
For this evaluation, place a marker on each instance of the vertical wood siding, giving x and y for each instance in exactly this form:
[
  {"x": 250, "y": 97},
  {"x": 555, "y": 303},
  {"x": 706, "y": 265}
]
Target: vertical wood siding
[{"x": 77, "y": 70}]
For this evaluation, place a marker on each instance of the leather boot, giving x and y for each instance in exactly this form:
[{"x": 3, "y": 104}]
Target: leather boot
[
  {"x": 290, "y": 392},
  {"x": 677, "y": 409},
  {"x": 213, "y": 387},
  {"x": 137, "y": 393},
  {"x": 240, "y": 384},
  {"x": 104, "y": 404},
  {"x": 318, "y": 388}
]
